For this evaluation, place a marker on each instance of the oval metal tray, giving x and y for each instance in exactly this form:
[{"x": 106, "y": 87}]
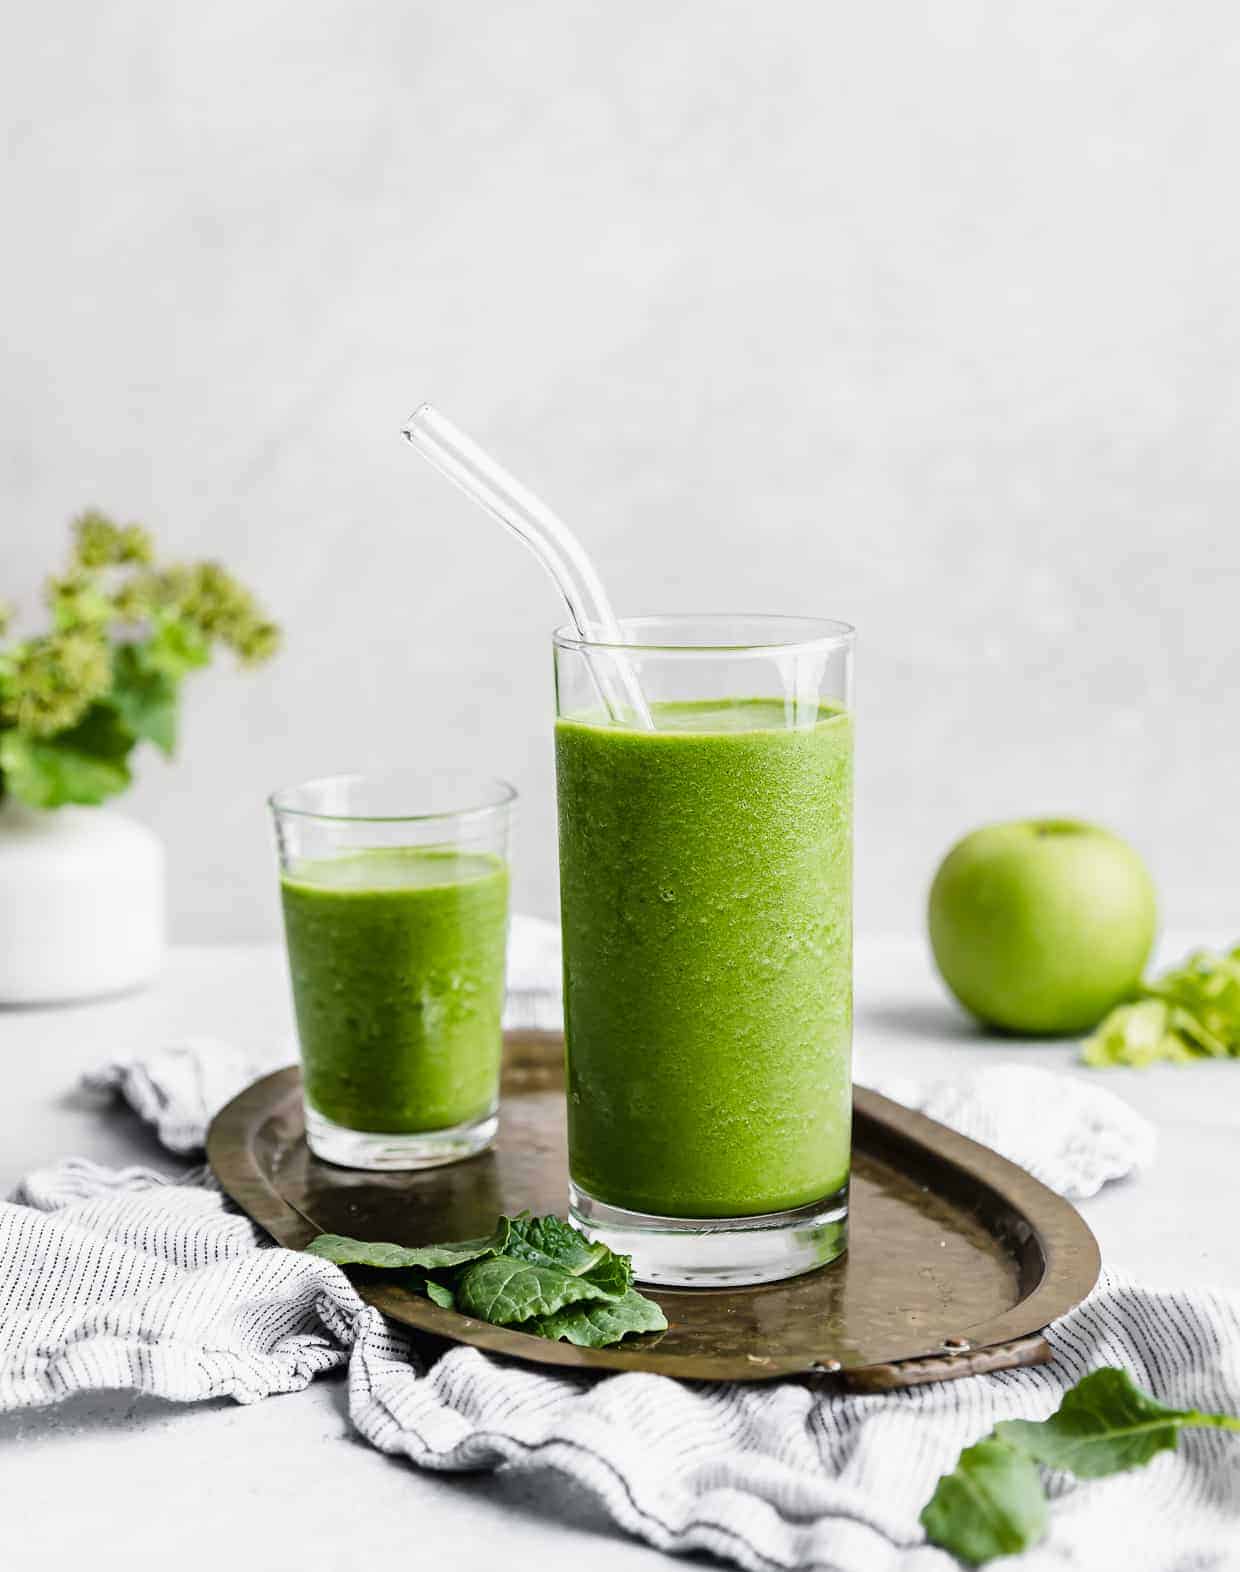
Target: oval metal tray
[{"x": 957, "y": 1261}]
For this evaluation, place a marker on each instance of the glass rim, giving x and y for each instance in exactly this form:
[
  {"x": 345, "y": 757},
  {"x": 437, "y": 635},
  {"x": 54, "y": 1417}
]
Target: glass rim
[
  {"x": 822, "y": 634},
  {"x": 496, "y": 794}
]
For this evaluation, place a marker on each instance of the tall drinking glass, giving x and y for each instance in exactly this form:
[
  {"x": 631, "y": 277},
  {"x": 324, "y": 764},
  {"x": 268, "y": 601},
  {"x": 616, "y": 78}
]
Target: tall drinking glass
[
  {"x": 706, "y": 892},
  {"x": 395, "y": 895}
]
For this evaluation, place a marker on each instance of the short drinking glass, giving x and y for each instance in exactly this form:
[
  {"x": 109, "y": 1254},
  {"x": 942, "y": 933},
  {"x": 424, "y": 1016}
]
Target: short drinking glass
[
  {"x": 395, "y": 895},
  {"x": 706, "y": 892}
]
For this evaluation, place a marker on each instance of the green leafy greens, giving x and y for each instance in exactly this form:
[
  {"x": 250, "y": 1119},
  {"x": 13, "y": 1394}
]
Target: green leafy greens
[
  {"x": 1190, "y": 1012},
  {"x": 77, "y": 699},
  {"x": 993, "y": 1504},
  {"x": 430, "y": 1258},
  {"x": 1104, "y": 1425},
  {"x": 537, "y": 1274},
  {"x": 601, "y": 1322}
]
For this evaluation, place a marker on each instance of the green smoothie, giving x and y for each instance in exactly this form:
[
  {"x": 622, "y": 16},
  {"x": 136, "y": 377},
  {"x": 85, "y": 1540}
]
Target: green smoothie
[
  {"x": 397, "y": 961},
  {"x": 705, "y": 876}
]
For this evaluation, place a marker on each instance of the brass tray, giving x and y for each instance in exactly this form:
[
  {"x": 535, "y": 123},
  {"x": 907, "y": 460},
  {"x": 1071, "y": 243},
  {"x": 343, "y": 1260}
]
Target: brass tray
[{"x": 958, "y": 1259}]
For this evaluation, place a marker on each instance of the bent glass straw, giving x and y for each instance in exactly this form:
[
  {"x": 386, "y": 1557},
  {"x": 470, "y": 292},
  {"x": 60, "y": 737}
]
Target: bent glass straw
[{"x": 504, "y": 497}]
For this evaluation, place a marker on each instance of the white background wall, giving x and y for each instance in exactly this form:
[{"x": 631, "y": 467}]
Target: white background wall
[{"x": 920, "y": 316}]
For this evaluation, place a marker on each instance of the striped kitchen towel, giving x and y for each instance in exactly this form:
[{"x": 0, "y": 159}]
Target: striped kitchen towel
[
  {"x": 128, "y": 1279},
  {"x": 124, "y": 1279}
]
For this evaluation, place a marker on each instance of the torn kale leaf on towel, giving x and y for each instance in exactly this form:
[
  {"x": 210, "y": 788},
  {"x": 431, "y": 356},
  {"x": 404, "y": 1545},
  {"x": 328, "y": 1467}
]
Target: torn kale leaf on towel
[{"x": 993, "y": 1502}]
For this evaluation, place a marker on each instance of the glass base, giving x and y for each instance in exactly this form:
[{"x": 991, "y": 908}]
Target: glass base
[
  {"x": 394, "y": 1150},
  {"x": 718, "y": 1252}
]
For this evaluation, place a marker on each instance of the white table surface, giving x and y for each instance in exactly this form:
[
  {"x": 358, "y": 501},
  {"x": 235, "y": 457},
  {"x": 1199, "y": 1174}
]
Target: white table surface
[{"x": 119, "y": 1480}]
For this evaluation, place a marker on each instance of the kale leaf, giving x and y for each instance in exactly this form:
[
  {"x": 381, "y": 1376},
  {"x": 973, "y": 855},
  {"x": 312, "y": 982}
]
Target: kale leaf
[
  {"x": 1104, "y": 1425},
  {"x": 431, "y": 1258},
  {"x": 993, "y": 1504},
  {"x": 596, "y": 1324},
  {"x": 537, "y": 1274}
]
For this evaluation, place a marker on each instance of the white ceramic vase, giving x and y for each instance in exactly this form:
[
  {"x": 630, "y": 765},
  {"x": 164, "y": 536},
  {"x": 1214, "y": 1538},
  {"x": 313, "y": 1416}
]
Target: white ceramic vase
[{"x": 81, "y": 903}]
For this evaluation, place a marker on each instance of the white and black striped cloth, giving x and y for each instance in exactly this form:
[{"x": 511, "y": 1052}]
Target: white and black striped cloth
[
  {"x": 128, "y": 1279},
  {"x": 122, "y": 1279}
]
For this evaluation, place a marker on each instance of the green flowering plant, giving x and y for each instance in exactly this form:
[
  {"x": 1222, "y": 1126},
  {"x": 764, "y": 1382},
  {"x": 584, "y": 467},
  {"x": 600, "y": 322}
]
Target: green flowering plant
[{"x": 77, "y": 699}]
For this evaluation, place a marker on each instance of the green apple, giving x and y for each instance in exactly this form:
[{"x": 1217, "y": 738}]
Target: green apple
[{"x": 1041, "y": 926}]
